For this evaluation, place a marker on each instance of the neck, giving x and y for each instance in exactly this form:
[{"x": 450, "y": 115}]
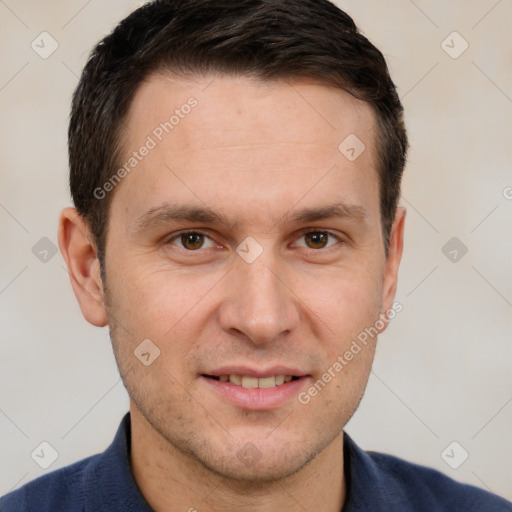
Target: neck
[{"x": 172, "y": 480}]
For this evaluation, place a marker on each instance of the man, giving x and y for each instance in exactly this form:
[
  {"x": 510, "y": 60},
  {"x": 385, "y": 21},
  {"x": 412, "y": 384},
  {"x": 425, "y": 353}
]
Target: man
[{"x": 236, "y": 168}]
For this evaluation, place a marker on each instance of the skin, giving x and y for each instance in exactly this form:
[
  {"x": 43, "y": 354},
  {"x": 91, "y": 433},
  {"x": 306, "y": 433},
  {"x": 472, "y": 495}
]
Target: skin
[{"x": 256, "y": 153}]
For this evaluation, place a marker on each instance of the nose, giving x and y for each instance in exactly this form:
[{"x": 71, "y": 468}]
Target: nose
[{"x": 259, "y": 306}]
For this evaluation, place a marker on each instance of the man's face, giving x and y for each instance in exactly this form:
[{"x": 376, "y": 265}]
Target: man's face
[{"x": 286, "y": 302}]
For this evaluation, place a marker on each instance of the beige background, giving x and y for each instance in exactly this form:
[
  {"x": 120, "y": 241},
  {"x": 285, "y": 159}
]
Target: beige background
[{"x": 443, "y": 369}]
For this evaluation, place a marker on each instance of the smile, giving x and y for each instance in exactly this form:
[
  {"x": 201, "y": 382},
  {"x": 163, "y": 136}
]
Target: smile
[
  {"x": 266, "y": 391},
  {"x": 250, "y": 382}
]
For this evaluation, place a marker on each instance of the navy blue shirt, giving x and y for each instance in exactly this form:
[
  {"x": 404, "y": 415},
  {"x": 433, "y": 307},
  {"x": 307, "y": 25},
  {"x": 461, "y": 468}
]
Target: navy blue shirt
[{"x": 375, "y": 482}]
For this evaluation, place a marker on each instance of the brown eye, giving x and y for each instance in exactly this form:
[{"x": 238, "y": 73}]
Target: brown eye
[
  {"x": 192, "y": 241},
  {"x": 316, "y": 239}
]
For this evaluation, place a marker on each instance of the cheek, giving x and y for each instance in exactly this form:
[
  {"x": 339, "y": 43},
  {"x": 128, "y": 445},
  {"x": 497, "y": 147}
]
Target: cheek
[
  {"x": 347, "y": 301},
  {"x": 163, "y": 305},
  {"x": 158, "y": 299}
]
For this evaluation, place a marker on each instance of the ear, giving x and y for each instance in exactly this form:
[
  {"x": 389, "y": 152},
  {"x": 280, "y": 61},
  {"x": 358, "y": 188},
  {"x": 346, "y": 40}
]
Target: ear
[
  {"x": 79, "y": 251},
  {"x": 396, "y": 245}
]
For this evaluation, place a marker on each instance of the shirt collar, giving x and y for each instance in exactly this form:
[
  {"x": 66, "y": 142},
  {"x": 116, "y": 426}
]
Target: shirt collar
[
  {"x": 110, "y": 482},
  {"x": 369, "y": 488}
]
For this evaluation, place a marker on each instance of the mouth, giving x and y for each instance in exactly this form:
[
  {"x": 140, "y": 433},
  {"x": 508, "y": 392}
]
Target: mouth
[
  {"x": 251, "y": 382},
  {"x": 250, "y": 389}
]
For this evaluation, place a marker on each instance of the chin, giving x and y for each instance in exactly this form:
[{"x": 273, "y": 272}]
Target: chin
[
  {"x": 267, "y": 469},
  {"x": 254, "y": 459}
]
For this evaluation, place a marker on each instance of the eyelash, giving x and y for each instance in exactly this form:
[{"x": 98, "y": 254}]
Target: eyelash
[{"x": 301, "y": 233}]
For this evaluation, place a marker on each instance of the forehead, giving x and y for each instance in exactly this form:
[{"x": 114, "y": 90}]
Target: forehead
[
  {"x": 227, "y": 104},
  {"x": 214, "y": 138}
]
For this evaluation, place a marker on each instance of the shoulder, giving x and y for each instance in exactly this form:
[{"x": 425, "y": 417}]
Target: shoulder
[
  {"x": 408, "y": 486},
  {"x": 62, "y": 489},
  {"x": 99, "y": 482},
  {"x": 427, "y": 485}
]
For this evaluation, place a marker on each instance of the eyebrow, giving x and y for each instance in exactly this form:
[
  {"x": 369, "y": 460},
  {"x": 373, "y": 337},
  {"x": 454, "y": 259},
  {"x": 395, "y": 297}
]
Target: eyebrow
[
  {"x": 168, "y": 213},
  {"x": 336, "y": 210}
]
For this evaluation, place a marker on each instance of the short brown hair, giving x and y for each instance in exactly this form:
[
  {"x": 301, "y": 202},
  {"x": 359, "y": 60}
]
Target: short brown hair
[{"x": 264, "y": 39}]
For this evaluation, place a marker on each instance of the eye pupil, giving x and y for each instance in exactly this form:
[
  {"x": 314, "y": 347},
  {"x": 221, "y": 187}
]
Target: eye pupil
[
  {"x": 316, "y": 239},
  {"x": 192, "y": 240}
]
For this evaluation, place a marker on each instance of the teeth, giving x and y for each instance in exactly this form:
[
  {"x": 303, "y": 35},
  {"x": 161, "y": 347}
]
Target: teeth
[
  {"x": 266, "y": 382},
  {"x": 249, "y": 382},
  {"x": 253, "y": 382},
  {"x": 235, "y": 379}
]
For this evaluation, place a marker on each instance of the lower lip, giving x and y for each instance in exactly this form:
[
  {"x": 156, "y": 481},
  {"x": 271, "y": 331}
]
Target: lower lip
[{"x": 259, "y": 398}]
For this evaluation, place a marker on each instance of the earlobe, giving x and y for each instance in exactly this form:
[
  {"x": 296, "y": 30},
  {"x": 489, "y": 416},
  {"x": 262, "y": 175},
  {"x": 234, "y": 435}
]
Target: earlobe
[
  {"x": 396, "y": 245},
  {"x": 79, "y": 252}
]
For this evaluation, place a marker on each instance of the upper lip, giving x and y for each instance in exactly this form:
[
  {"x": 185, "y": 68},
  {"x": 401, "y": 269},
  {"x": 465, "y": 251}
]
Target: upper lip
[{"x": 256, "y": 372}]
